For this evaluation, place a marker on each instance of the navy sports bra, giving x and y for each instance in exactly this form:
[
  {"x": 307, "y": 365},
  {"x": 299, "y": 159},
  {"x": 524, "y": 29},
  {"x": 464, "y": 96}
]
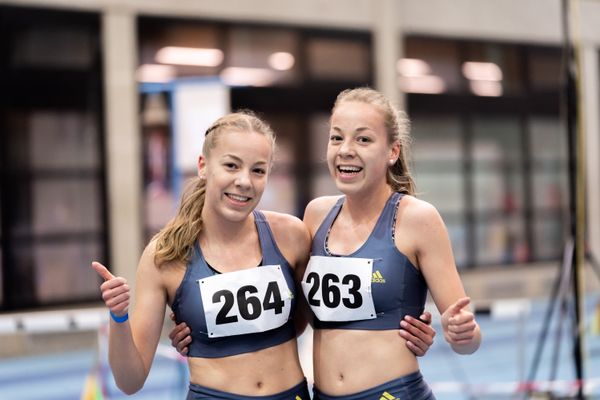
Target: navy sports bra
[
  {"x": 397, "y": 286},
  {"x": 188, "y": 305}
]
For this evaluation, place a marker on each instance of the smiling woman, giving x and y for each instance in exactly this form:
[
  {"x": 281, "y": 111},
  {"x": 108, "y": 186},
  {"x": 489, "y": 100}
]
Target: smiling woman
[
  {"x": 376, "y": 251},
  {"x": 226, "y": 270}
]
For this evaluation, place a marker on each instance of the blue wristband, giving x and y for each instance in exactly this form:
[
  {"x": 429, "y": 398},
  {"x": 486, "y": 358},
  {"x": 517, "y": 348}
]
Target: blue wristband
[{"x": 119, "y": 320}]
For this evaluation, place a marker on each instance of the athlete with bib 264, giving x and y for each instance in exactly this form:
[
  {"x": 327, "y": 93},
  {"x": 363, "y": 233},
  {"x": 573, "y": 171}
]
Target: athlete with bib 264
[
  {"x": 227, "y": 271},
  {"x": 376, "y": 251}
]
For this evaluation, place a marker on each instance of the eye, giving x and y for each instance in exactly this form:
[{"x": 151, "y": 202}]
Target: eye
[
  {"x": 363, "y": 139},
  {"x": 230, "y": 165},
  {"x": 335, "y": 138},
  {"x": 260, "y": 171}
]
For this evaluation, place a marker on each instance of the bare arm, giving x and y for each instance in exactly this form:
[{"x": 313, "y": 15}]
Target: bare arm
[
  {"x": 436, "y": 261},
  {"x": 132, "y": 344}
]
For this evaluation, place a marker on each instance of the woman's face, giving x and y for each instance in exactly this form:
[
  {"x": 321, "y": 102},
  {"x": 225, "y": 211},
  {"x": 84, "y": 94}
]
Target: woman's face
[
  {"x": 236, "y": 173},
  {"x": 358, "y": 152}
]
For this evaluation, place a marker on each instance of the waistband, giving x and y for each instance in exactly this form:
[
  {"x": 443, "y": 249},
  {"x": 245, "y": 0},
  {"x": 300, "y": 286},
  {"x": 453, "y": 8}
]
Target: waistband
[
  {"x": 198, "y": 392},
  {"x": 411, "y": 386}
]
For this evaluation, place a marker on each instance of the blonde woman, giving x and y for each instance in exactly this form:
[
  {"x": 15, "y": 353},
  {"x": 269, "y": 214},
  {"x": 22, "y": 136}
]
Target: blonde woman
[
  {"x": 377, "y": 228},
  {"x": 227, "y": 271}
]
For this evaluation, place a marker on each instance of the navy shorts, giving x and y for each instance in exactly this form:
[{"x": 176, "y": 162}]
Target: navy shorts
[
  {"x": 411, "y": 386},
  {"x": 197, "y": 392}
]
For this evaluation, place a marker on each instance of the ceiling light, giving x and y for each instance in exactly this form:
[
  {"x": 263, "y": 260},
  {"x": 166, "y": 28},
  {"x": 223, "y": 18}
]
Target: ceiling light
[
  {"x": 482, "y": 71},
  {"x": 239, "y": 76},
  {"x": 413, "y": 67},
  {"x": 190, "y": 56},
  {"x": 155, "y": 73},
  {"x": 429, "y": 84},
  {"x": 486, "y": 88},
  {"x": 281, "y": 61}
]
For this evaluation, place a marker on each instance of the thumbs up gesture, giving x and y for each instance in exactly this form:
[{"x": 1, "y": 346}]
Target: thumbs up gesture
[
  {"x": 459, "y": 324},
  {"x": 115, "y": 290}
]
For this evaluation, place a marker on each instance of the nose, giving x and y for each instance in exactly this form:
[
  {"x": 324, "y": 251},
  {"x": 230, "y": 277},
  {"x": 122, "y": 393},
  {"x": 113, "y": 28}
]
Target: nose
[
  {"x": 242, "y": 180},
  {"x": 347, "y": 148}
]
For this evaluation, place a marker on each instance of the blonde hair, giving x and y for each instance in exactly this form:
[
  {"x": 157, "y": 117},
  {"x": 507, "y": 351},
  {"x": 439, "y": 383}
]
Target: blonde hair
[
  {"x": 176, "y": 240},
  {"x": 397, "y": 126}
]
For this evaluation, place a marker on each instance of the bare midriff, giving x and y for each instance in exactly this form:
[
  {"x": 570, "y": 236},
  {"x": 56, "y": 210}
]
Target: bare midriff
[
  {"x": 264, "y": 372},
  {"x": 349, "y": 361}
]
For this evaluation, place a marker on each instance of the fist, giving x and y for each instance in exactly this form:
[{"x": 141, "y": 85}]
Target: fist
[
  {"x": 115, "y": 290},
  {"x": 459, "y": 323}
]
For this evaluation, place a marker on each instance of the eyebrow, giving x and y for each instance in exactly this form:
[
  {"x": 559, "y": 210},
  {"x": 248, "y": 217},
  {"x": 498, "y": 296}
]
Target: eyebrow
[
  {"x": 359, "y": 129},
  {"x": 236, "y": 158}
]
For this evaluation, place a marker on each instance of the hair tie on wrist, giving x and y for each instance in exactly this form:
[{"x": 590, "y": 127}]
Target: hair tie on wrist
[{"x": 121, "y": 319}]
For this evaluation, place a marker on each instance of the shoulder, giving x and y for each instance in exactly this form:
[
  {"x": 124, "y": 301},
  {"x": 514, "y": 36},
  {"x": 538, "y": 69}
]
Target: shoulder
[
  {"x": 289, "y": 232},
  {"x": 420, "y": 216},
  {"x": 317, "y": 210},
  {"x": 147, "y": 258},
  {"x": 148, "y": 273}
]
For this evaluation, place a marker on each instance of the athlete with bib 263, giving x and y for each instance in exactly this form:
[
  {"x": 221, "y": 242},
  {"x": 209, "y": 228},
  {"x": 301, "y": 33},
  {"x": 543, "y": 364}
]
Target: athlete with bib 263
[
  {"x": 376, "y": 251},
  {"x": 227, "y": 272}
]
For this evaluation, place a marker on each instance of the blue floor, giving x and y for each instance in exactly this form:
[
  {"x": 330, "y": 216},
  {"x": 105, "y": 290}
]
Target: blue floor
[{"x": 504, "y": 359}]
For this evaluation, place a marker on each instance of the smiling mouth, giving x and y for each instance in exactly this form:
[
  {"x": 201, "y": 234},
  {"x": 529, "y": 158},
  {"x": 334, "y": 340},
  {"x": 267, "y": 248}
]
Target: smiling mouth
[
  {"x": 348, "y": 169},
  {"x": 238, "y": 198}
]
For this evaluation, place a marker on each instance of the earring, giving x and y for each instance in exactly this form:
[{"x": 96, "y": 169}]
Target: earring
[{"x": 392, "y": 161}]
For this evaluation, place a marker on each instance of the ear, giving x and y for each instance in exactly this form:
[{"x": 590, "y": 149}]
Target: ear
[
  {"x": 202, "y": 167},
  {"x": 394, "y": 151}
]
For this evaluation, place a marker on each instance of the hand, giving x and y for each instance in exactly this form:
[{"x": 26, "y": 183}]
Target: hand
[
  {"x": 418, "y": 333},
  {"x": 459, "y": 323},
  {"x": 115, "y": 290},
  {"x": 180, "y": 337}
]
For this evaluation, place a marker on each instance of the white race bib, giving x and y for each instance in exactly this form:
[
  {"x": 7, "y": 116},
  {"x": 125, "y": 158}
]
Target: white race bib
[
  {"x": 247, "y": 301},
  {"x": 339, "y": 288}
]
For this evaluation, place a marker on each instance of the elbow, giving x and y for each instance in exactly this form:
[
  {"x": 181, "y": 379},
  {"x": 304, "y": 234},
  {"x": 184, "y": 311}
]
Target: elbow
[{"x": 128, "y": 388}]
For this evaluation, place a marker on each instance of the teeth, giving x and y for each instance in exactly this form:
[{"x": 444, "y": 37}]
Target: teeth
[
  {"x": 349, "y": 168},
  {"x": 238, "y": 197}
]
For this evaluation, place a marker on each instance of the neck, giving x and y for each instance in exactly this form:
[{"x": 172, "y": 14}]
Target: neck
[
  {"x": 363, "y": 207},
  {"x": 220, "y": 230}
]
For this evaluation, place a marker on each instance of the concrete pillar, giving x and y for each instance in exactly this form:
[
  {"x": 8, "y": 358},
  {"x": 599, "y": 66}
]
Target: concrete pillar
[
  {"x": 123, "y": 143},
  {"x": 590, "y": 111},
  {"x": 386, "y": 40}
]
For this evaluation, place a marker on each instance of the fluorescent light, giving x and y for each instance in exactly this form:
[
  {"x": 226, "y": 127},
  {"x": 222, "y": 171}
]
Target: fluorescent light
[
  {"x": 155, "y": 73},
  {"x": 482, "y": 71},
  {"x": 239, "y": 76},
  {"x": 190, "y": 56},
  {"x": 413, "y": 67},
  {"x": 281, "y": 61},
  {"x": 486, "y": 88},
  {"x": 429, "y": 84}
]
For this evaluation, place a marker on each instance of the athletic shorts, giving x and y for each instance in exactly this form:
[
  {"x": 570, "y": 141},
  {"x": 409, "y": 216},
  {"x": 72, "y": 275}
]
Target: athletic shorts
[
  {"x": 407, "y": 387},
  {"x": 197, "y": 392}
]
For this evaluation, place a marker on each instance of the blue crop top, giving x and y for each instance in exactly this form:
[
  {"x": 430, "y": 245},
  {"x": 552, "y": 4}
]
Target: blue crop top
[
  {"x": 397, "y": 286},
  {"x": 188, "y": 307}
]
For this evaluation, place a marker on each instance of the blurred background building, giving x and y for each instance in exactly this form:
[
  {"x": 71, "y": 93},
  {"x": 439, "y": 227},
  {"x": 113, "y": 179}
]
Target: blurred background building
[{"x": 104, "y": 103}]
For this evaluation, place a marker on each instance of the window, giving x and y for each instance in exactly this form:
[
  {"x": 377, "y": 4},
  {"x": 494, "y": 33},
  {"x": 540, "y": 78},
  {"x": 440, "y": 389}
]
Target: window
[
  {"x": 51, "y": 165},
  {"x": 489, "y": 147}
]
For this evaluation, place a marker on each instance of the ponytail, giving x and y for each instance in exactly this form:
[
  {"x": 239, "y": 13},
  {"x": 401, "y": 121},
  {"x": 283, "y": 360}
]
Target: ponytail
[{"x": 175, "y": 241}]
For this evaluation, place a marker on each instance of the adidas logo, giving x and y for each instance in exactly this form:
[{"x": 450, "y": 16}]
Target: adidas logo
[
  {"x": 377, "y": 277},
  {"x": 387, "y": 396}
]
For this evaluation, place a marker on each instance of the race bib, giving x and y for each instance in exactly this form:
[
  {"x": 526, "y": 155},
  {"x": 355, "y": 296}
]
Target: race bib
[
  {"x": 339, "y": 288},
  {"x": 247, "y": 301}
]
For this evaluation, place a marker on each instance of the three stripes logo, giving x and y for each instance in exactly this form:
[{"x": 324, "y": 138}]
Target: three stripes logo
[
  {"x": 387, "y": 396},
  {"x": 377, "y": 277}
]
